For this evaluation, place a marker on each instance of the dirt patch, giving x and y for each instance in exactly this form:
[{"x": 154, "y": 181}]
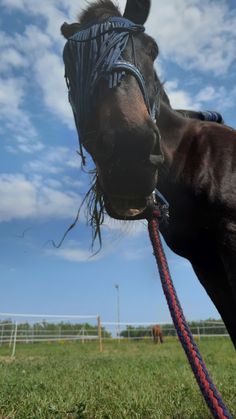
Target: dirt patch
[{"x": 7, "y": 359}]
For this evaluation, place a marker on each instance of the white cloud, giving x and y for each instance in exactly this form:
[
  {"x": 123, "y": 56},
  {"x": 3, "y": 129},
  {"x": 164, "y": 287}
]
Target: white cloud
[
  {"x": 113, "y": 234},
  {"x": 22, "y": 197},
  {"x": 49, "y": 72},
  {"x": 18, "y": 197},
  {"x": 209, "y": 97},
  {"x": 72, "y": 252},
  {"x": 207, "y": 93},
  {"x": 14, "y": 118},
  {"x": 32, "y": 51},
  {"x": 54, "y": 13},
  {"x": 218, "y": 97},
  {"x": 28, "y": 145},
  {"x": 35, "y": 50},
  {"x": 136, "y": 254},
  {"x": 11, "y": 94},
  {"x": 179, "y": 98},
  {"x": 33, "y": 42},
  {"x": 196, "y": 35},
  {"x": 54, "y": 160},
  {"x": 11, "y": 58}
]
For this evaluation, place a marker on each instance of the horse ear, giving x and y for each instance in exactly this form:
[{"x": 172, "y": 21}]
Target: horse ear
[
  {"x": 69, "y": 30},
  {"x": 137, "y": 10}
]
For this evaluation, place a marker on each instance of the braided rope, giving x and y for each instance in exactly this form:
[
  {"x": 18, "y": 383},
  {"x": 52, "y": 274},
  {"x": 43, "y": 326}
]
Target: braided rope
[{"x": 208, "y": 389}]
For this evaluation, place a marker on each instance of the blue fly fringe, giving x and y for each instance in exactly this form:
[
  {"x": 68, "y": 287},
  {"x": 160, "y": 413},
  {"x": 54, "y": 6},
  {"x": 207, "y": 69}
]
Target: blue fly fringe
[{"x": 89, "y": 56}]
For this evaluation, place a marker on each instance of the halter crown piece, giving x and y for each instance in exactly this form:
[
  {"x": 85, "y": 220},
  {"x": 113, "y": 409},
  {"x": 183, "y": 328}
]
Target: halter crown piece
[{"x": 95, "y": 53}]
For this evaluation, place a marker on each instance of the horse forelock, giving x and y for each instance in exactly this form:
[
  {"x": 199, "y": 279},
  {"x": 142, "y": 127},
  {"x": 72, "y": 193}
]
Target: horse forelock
[{"x": 99, "y": 10}]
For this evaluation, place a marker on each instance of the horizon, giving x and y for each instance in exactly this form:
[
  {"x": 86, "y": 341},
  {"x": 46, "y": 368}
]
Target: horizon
[{"x": 41, "y": 181}]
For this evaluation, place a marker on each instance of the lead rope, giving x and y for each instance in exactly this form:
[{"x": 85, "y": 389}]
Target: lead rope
[{"x": 208, "y": 389}]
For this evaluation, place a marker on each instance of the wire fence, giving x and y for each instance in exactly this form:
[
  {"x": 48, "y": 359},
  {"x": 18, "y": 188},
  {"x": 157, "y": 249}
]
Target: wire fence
[
  {"x": 130, "y": 330},
  {"x": 31, "y": 329}
]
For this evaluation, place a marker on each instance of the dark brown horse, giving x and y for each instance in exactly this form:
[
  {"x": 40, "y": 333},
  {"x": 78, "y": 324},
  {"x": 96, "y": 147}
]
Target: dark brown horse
[
  {"x": 157, "y": 334},
  {"x": 139, "y": 143}
]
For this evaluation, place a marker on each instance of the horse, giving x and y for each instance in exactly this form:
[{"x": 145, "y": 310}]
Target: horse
[
  {"x": 157, "y": 334},
  {"x": 139, "y": 144}
]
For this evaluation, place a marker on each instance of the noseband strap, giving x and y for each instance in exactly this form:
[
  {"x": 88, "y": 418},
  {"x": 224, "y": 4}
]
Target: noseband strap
[
  {"x": 130, "y": 68},
  {"x": 95, "y": 53}
]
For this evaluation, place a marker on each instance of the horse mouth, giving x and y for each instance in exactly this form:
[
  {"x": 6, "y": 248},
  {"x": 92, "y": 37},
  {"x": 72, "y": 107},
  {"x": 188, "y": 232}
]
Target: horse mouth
[{"x": 124, "y": 208}]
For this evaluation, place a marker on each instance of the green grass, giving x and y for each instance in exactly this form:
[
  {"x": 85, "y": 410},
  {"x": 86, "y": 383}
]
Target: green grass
[{"x": 128, "y": 380}]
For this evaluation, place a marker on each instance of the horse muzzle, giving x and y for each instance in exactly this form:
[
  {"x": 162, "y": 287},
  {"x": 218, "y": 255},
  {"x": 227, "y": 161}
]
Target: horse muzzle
[{"x": 122, "y": 208}]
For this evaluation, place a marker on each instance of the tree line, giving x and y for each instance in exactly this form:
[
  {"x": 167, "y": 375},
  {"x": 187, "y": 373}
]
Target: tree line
[
  {"x": 50, "y": 328},
  {"x": 202, "y": 327}
]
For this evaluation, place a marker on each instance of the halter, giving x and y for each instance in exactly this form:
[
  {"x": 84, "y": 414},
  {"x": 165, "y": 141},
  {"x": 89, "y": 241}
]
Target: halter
[{"x": 95, "y": 53}]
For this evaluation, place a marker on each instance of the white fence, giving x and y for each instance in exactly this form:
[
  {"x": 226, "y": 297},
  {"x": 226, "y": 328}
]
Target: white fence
[
  {"x": 141, "y": 330},
  {"x": 32, "y": 328}
]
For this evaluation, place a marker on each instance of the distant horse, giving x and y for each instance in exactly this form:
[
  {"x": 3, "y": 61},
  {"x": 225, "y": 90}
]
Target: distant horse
[
  {"x": 157, "y": 334},
  {"x": 139, "y": 143}
]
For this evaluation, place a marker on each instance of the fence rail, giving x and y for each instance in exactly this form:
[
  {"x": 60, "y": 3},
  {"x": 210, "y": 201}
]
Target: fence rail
[{"x": 27, "y": 329}]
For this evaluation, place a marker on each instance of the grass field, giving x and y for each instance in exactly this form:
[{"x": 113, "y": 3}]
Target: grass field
[{"x": 128, "y": 380}]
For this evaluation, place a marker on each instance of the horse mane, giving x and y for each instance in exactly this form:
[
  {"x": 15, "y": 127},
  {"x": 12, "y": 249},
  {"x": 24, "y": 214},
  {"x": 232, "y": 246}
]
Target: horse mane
[{"x": 99, "y": 10}]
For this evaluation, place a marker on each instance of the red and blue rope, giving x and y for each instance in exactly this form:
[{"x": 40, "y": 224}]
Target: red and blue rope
[{"x": 208, "y": 389}]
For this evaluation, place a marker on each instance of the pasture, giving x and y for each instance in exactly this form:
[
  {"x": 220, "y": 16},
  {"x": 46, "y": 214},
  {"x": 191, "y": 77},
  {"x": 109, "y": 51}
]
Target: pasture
[{"x": 135, "y": 379}]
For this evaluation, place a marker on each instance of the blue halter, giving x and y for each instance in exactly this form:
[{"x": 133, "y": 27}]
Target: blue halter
[{"x": 95, "y": 53}]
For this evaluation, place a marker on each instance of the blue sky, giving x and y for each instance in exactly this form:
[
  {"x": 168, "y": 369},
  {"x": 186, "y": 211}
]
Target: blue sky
[{"x": 41, "y": 183}]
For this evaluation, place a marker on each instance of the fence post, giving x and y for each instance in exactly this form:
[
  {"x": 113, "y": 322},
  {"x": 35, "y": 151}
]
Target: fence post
[
  {"x": 198, "y": 332},
  {"x": 59, "y": 332},
  {"x": 2, "y": 334},
  {"x": 14, "y": 342},
  {"x": 11, "y": 337},
  {"x": 100, "y": 333}
]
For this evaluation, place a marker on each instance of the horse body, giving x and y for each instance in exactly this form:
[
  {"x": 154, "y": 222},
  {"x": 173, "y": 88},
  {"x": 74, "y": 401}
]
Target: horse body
[
  {"x": 157, "y": 334},
  {"x": 190, "y": 161},
  {"x": 198, "y": 180}
]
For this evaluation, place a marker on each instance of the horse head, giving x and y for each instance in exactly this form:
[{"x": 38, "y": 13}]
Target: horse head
[{"x": 115, "y": 92}]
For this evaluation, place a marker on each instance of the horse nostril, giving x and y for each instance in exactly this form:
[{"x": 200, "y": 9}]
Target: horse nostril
[{"x": 156, "y": 155}]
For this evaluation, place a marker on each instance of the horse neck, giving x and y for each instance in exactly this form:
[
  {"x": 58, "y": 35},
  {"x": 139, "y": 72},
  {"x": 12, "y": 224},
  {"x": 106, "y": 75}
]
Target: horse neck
[{"x": 172, "y": 127}]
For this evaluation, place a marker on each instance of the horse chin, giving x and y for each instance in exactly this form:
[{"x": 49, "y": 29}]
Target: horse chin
[{"x": 123, "y": 208}]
